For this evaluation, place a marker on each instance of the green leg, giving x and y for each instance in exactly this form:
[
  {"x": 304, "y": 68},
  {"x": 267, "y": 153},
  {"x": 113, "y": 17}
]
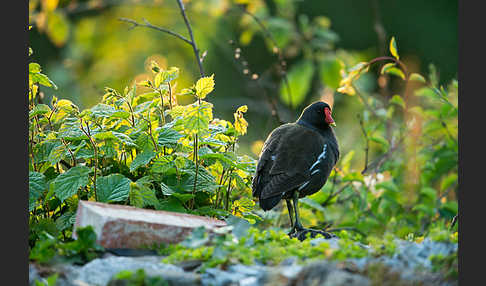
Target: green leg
[
  {"x": 298, "y": 230},
  {"x": 297, "y": 224},
  {"x": 291, "y": 214}
]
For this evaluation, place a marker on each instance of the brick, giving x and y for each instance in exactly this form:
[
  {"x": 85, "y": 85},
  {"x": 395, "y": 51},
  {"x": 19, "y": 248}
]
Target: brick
[{"x": 119, "y": 226}]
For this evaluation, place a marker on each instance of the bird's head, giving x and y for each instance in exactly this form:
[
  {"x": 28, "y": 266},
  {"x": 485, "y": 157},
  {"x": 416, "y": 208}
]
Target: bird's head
[{"x": 318, "y": 114}]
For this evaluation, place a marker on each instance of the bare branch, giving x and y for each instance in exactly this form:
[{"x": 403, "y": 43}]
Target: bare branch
[
  {"x": 149, "y": 25},
  {"x": 193, "y": 43}
]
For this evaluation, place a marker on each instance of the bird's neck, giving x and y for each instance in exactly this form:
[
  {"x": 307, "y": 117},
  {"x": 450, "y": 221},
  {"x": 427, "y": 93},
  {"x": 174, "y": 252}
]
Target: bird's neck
[{"x": 323, "y": 130}]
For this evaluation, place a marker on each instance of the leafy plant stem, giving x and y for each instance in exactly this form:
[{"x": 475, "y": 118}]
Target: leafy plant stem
[
  {"x": 367, "y": 142},
  {"x": 162, "y": 105},
  {"x": 70, "y": 152},
  {"x": 87, "y": 133},
  {"x": 170, "y": 96}
]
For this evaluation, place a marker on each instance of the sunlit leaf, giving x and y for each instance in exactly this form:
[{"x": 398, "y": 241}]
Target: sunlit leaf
[
  {"x": 393, "y": 48},
  {"x": 417, "y": 77},
  {"x": 395, "y": 71},
  {"x": 398, "y": 100},
  {"x": 204, "y": 86}
]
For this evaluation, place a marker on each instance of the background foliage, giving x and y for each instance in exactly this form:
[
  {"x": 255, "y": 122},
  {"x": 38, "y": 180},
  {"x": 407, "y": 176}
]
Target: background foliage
[{"x": 119, "y": 113}]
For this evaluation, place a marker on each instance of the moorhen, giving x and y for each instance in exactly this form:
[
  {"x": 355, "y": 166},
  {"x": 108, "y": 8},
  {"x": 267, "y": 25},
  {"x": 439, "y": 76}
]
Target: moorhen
[{"x": 295, "y": 162}]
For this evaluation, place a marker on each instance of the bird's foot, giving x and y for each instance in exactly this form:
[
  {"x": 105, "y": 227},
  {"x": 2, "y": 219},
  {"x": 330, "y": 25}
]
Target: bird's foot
[
  {"x": 292, "y": 230},
  {"x": 303, "y": 233}
]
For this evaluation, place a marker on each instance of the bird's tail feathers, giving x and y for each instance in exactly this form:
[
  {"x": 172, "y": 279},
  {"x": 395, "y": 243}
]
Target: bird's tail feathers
[{"x": 269, "y": 203}]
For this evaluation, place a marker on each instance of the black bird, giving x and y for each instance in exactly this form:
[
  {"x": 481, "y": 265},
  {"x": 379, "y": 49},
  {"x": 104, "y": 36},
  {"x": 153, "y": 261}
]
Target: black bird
[{"x": 296, "y": 161}]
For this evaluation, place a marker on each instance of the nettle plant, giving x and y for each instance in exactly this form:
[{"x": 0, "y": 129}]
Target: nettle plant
[{"x": 143, "y": 150}]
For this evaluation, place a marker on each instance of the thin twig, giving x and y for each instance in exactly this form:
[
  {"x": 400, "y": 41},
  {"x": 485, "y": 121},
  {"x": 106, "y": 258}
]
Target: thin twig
[
  {"x": 332, "y": 195},
  {"x": 385, "y": 58},
  {"x": 70, "y": 152},
  {"x": 149, "y": 25},
  {"x": 193, "y": 42},
  {"x": 376, "y": 164}
]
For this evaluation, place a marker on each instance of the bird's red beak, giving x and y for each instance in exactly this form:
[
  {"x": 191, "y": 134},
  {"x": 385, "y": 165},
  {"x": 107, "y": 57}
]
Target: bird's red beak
[{"x": 329, "y": 119}]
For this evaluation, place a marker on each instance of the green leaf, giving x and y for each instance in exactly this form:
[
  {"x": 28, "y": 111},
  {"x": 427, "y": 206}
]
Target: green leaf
[
  {"x": 57, "y": 28},
  {"x": 142, "y": 159},
  {"x": 204, "y": 86},
  {"x": 430, "y": 193},
  {"x": 171, "y": 204},
  {"x": 162, "y": 164},
  {"x": 66, "y": 221},
  {"x": 330, "y": 71},
  {"x": 393, "y": 48},
  {"x": 299, "y": 80},
  {"x": 34, "y": 68},
  {"x": 198, "y": 117},
  {"x": 224, "y": 158},
  {"x": 168, "y": 137},
  {"x": 42, "y": 79},
  {"x": 113, "y": 188},
  {"x": 183, "y": 197},
  {"x": 167, "y": 76},
  {"x": 39, "y": 109},
  {"x": 68, "y": 183},
  {"x": 417, "y": 77},
  {"x": 166, "y": 190},
  {"x": 281, "y": 31},
  {"x": 56, "y": 154},
  {"x": 398, "y": 100},
  {"x": 37, "y": 185},
  {"x": 395, "y": 71},
  {"x": 141, "y": 196},
  {"x": 380, "y": 140},
  {"x": 386, "y": 67},
  {"x": 101, "y": 110},
  {"x": 448, "y": 181}
]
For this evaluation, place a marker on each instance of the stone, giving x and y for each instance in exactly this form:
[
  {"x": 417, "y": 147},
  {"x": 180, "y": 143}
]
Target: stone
[
  {"x": 328, "y": 274},
  {"x": 100, "y": 271},
  {"x": 119, "y": 226}
]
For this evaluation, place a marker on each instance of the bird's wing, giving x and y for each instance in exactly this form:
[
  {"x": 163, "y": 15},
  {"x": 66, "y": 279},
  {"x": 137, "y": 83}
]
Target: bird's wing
[{"x": 286, "y": 160}]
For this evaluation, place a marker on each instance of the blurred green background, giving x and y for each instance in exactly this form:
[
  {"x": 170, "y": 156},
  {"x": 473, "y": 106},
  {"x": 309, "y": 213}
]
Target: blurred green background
[{"x": 83, "y": 47}]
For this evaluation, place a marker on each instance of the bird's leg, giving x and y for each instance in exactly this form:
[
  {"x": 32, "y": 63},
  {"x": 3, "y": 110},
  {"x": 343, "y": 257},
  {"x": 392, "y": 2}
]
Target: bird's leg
[
  {"x": 291, "y": 215},
  {"x": 297, "y": 224},
  {"x": 298, "y": 230}
]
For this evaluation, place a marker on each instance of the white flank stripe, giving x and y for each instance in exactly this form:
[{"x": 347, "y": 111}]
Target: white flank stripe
[
  {"x": 303, "y": 185},
  {"x": 321, "y": 156},
  {"x": 313, "y": 172}
]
